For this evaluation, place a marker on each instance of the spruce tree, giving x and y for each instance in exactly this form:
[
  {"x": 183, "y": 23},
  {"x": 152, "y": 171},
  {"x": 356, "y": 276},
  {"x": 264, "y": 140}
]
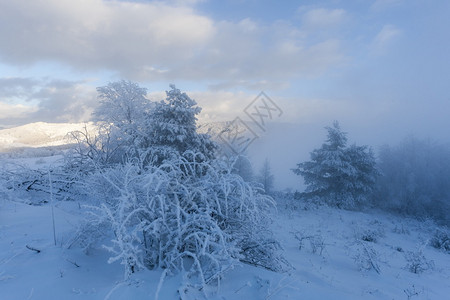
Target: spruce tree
[
  {"x": 266, "y": 177},
  {"x": 339, "y": 175},
  {"x": 173, "y": 128}
]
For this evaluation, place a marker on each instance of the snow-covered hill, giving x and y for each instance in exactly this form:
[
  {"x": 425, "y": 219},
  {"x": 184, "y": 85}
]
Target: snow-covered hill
[
  {"x": 335, "y": 254},
  {"x": 40, "y": 134}
]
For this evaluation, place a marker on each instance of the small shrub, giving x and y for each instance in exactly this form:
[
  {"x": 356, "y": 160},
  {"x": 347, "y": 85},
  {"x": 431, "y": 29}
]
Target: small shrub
[
  {"x": 316, "y": 242},
  {"x": 370, "y": 235},
  {"x": 367, "y": 258},
  {"x": 411, "y": 292},
  {"x": 441, "y": 240},
  {"x": 400, "y": 229},
  {"x": 417, "y": 262}
]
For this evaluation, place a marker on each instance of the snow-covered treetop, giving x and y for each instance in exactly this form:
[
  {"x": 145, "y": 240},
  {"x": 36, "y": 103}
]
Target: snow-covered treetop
[
  {"x": 173, "y": 123},
  {"x": 336, "y": 139},
  {"x": 122, "y": 103}
]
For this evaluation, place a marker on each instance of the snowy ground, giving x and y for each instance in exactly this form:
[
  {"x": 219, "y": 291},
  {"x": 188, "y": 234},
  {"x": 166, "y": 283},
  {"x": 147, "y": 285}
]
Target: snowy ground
[{"x": 331, "y": 263}]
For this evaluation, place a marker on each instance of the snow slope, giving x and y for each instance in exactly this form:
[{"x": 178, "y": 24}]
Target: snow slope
[
  {"x": 39, "y": 134},
  {"x": 329, "y": 265}
]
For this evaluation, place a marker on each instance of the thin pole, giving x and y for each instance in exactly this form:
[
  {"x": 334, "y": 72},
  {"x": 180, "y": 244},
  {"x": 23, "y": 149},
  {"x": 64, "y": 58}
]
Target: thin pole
[{"x": 51, "y": 203}]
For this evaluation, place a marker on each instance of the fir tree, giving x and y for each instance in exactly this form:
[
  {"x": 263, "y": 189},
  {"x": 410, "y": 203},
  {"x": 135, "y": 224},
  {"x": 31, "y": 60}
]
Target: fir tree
[
  {"x": 337, "y": 174},
  {"x": 243, "y": 167},
  {"x": 266, "y": 177},
  {"x": 174, "y": 128}
]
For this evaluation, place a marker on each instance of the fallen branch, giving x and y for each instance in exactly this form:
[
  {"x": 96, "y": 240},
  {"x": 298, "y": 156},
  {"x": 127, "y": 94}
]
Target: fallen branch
[
  {"x": 33, "y": 249},
  {"x": 372, "y": 261},
  {"x": 73, "y": 263}
]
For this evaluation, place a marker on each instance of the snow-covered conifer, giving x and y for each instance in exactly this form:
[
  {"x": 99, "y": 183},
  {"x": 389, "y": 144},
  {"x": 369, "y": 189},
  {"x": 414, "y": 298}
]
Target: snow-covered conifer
[
  {"x": 173, "y": 124},
  {"x": 266, "y": 177},
  {"x": 337, "y": 174}
]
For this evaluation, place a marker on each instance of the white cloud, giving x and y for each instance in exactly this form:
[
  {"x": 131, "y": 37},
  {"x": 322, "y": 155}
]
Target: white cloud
[
  {"x": 221, "y": 105},
  {"x": 15, "y": 111},
  {"x": 380, "y": 5},
  {"x": 100, "y": 34},
  {"x": 160, "y": 41},
  {"x": 322, "y": 18},
  {"x": 384, "y": 38},
  {"x": 24, "y": 100}
]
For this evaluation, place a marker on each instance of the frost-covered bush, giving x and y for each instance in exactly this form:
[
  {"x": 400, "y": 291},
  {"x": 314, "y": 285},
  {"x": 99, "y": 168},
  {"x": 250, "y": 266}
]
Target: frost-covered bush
[
  {"x": 411, "y": 292},
  {"x": 371, "y": 234},
  {"x": 366, "y": 257},
  {"x": 417, "y": 262},
  {"x": 441, "y": 240},
  {"x": 186, "y": 214},
  {"x": 33, "y": 185},
  {"x": 316, "y": 241},
  {"x": 168, "y": 202},
  {"x": 401, "y": 229}
]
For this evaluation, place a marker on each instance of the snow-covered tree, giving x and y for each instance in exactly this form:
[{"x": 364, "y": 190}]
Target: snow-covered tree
[
  {"x": 265, "y": 176},
  {"x": 173, "y": 125},
  {"x": 337, "y": 174},
  {"x": 174, "y": 205},
  {"x": 123, "y": 104},
  {"x": 243, "y": 167},
  {"x": 130, "y": 126},
  {"x": 121, "y": 119}
]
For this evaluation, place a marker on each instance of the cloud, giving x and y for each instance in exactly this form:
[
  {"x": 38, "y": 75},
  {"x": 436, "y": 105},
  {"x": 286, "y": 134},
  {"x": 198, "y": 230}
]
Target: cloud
[
  {"x": 384, "y": 38},
  {"x": 13, "y": 88},
  {"x": 100, "y": 34},
  {"x": 162, "y": 41},
  {"x": 24, "y": 100},
  {"x": 380, "y": 5},
  {"x": 322, "y": 18},
  {"x": 15, "y": 111}
]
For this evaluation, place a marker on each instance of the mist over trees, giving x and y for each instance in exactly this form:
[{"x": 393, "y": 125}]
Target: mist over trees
[
  {"x": 415, "y": 179},
  {"x": 411, "y": 178}
]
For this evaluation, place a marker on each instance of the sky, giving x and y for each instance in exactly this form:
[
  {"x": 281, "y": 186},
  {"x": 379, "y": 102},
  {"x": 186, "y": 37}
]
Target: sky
[{"x": 379, "y": 67}]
